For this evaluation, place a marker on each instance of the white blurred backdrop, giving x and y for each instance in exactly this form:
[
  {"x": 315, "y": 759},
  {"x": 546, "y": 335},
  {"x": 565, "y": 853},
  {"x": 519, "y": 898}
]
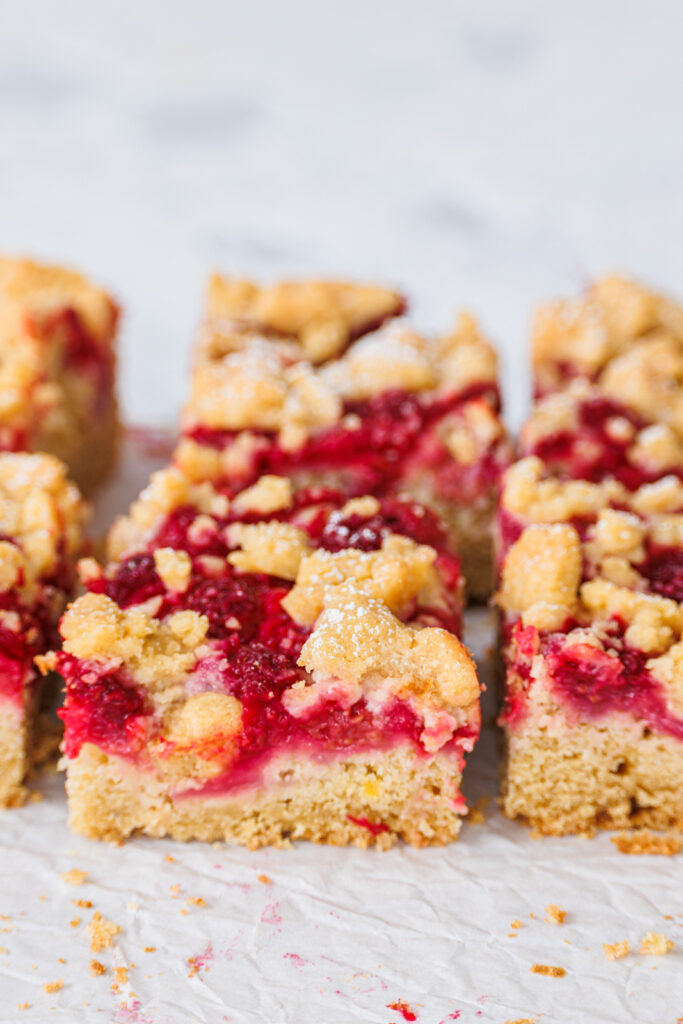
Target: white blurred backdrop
[{"x": 481, "y": 154}]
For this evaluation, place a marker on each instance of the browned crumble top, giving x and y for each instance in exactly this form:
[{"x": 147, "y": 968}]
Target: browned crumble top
[
  {"x": 323, "y": 315},
  {"x": 548, "y": 971},
  {"x": 101, "y": 932},
  {"x": 616, "y": 950},
  {"x": 555, "y": 914},
  {"x": 645, "y": 841},
  {"x": 97, "y": 968},
  {"x": 656, "y": 944},
  {"x": 53, "y": 986},
  {"x": 74, "y": 877}
]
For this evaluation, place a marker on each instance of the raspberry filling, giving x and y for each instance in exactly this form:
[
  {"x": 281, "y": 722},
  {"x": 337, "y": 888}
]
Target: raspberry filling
[
  {"x": 595, "y": 450},
  {"x": 592, "y": 681},
  {"x": 378, "y": 441},
  {"x": 35, "y": 634},
  {"x": 663, "y": 568},
  {"x": 253, "y": 645},
  {"x": 83, "y": 353}
]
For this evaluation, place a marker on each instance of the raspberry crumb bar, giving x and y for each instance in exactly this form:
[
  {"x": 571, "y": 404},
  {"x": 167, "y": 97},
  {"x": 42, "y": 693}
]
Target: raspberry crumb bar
[
  {"x": 57, "y": 366},
  {"x": 396, "y": 414},
  {"x": 324, "y": 317},
  {"x": 41, "y": 521},
  {"x": 279, "y": 665},
  {"x": 590, "y": 535}
]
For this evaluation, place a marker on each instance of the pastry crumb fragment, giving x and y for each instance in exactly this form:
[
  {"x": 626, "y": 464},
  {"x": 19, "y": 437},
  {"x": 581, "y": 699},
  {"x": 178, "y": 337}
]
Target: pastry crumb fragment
[
  {"x": 101, "y": 932},
  {"x": 97, "y": 968},
  {"x": 74, "y": 876},
  {"x": 548, "y": 970},
  {"x": 648, "y": 842},
  {"x": 53, "y": 986},
  {"x": 616, "y": 950},
  {"x": 656, "y": 944},
  {"x": 555, "y": 914}
]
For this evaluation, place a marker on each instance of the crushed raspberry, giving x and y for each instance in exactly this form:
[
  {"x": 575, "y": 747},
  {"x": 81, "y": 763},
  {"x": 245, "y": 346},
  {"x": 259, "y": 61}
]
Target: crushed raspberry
[
  {"x": 231, "y": 603},
  {"x": 663, "y": 567},
  {"x": 101, "y": 708},
  {"x": 590, "y": 452},
  {"x": 367, "y": 533},
  {"x": 135, "y": 581},
  {"x": 597, "y": 682},
  {"x": 375, "y": 828},
  {"x": 388, "y": 435}
]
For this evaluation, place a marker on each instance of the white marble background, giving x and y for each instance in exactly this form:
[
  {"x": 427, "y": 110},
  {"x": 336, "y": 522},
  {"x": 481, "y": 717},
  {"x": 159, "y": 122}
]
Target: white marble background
[{"x": 479, "y": 153}]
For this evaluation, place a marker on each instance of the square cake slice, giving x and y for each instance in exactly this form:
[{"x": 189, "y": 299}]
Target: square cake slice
[
  {"x": 322, "y": 316},
  {"x": 397, "y": 414},
  {"x": 593, "y": 649},
  {"x": 279, "y": 665},
  {"x": 41, "y": 522},
  {"x": 616, "y": 321},
  {"x": 57, "y": 368}
]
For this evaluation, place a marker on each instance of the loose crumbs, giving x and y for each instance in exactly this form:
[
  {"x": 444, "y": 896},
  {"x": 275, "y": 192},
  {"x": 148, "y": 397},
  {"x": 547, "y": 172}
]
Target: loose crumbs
[
  {"x": 74, "y": 877},
  {"x": 647, "y": 842},
  {"x": 555, "y": 914},
  {"x": 101, "y": 932},
  {"x": 548, "y": 970},
  {"x": 53, "y": 986},
  {"x": 97, "y": 968},
  {"x": 656, "y": 944},
  {"x": 616, "y": 950}
]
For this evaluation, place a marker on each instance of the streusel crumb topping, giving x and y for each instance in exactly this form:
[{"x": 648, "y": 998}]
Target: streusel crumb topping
[
  {"x": 322, "y": 315},
  {"x": 585, "y": 333},
  {"x": 398, "y": 574}
]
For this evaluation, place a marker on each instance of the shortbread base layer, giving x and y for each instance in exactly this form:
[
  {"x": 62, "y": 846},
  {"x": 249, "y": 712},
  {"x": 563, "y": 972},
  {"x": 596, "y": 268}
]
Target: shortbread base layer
[
  {"x": 593, "y": 777},
  {"x": 90, "y": 449},
  {"x": 394, "y": 795},
  {"x": 15, "y": 742}
]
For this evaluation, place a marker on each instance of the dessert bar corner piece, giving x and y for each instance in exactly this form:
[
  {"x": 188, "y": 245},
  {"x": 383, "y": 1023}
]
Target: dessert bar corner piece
[
  {"x": 41, "y": 522},
  {"x": 592, "y": 603},
  {"x": 395, "y": 414},
  {"x": 281, "y": 665},
  {"x": 57, "y": 368}
]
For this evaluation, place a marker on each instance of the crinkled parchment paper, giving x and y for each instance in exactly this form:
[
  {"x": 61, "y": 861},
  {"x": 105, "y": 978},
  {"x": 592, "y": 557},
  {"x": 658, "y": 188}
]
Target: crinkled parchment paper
[{"x": 333, "y": 936}]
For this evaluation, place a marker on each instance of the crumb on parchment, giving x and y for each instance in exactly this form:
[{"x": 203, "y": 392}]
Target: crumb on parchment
[
  {"x": 548, "y": 970},
  {"x": 101, "y": 932},
  {"x": 23, "y": 1006},
  {"x": 196, "y": 901},
  {"x": 74, "y": 922},
  {"x": 516, "y": 923},
  {"x": 656, "y": 944},
  {"x": 265, "y": 879},
  {"x": 522, "y": 1020},
  {"x": 475, "y": 815},
  {"x": 85, "y": 904},
  {"x": 555, "y": 914},
  {"x": 645, "y": 841},
  {"x": 97, "y": 968},
  {"x": 74, "y": 877},
  {"x": 149, "y": 949},
  {"x": 616, "y": 950},
  {"x": 53, "y": 986}
]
